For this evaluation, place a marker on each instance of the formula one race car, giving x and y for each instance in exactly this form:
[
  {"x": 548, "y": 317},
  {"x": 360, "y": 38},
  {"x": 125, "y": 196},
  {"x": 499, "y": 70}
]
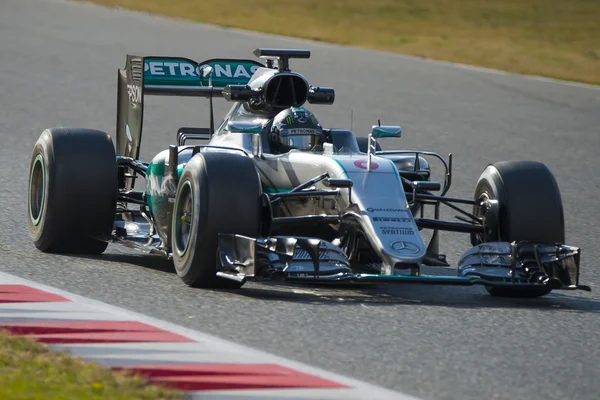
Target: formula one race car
[{"x": 270, "y": 194}]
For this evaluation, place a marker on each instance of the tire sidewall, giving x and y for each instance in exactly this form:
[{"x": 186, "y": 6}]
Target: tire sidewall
[
  {"x": 194, "y": 177},
  {"x": 488, "y": 186},
  {"x": 43, "y": 148}
]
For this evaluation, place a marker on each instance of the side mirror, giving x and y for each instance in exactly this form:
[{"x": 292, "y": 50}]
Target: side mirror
[
  {"x": 245, "y": 127},
  {"x": 321, "y": 95},
  {"x": 381, "y": 131}
]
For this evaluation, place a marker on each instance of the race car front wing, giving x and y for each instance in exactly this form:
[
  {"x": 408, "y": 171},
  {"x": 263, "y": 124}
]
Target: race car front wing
[{"x": 311, "y": 260}]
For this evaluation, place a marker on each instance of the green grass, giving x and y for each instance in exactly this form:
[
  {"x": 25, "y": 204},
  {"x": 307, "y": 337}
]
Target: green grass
[
  {"x": 29, "y": 371},
  {"x": 555, "y": 38}
]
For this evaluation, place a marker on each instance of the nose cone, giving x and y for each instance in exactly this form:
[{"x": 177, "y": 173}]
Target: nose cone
[{"x": 385, "y": 217}]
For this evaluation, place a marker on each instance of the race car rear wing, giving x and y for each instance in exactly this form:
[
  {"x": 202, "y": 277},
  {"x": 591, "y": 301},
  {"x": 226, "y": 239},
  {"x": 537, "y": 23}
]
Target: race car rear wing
[{"x": 169, "y": 76}]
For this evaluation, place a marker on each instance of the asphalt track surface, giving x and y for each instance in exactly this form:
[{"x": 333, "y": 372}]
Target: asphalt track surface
[{"x": 58, "y": 64}]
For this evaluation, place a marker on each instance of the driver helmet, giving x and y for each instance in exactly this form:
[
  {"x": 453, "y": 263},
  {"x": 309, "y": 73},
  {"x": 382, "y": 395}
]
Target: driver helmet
[{"x": 295, "y": 128}]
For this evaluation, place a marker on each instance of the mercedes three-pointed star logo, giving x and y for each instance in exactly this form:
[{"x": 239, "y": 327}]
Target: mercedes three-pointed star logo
[{"x": 404, "y": 247}]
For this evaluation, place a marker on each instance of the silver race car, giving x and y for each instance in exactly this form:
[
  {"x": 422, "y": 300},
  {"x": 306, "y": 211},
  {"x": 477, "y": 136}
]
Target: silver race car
[{"x": 269, "y": 194}]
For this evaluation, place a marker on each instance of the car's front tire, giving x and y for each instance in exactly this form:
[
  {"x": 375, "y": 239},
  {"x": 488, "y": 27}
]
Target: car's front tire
[
  {"x": 529, "y": 209},
  {"x": 72, "y": 191},
  {"x": 217, "y": 193}
]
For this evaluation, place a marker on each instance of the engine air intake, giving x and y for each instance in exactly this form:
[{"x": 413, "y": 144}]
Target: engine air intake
[{"x": 286, "y": 90}]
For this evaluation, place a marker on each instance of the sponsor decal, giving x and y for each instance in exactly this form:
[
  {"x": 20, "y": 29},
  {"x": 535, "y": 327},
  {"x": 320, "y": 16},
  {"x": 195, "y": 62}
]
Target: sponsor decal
[
  {"x": 302, "y": 131},
  {"x": 169, "y": 68},
  {"x": 363, "y": 164},
  {"x": 300, "y": 114},
  {"x": 391, "y": 219},
  {"x": 233, "y": 71},
  {"x": 169, "y": 187},
  {"x": 185, "y": 68},
  {"x": 154, "y": 181},
  {"x": 396, "y": 230},
  {"x": 394, "y": 210},
  {"x": 301, "y": 117},
  {"x": 185, "y": 72},
  {"x": 404, "y": 247},
  {"x": 135, "y": 93}
]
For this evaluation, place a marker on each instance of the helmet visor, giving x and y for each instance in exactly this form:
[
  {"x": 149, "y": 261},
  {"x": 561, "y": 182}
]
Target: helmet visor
[{"x": 301, "y": 138}]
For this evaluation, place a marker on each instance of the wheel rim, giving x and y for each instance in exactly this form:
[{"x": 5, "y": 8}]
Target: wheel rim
[
  {"x": 183, "y": 219},
  {"x": 37, "y": 188},
  {"x": 492, "y": 232}
]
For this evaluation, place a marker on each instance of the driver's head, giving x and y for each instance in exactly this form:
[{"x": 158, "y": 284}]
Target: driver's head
[{"x": 295, "y": 128}]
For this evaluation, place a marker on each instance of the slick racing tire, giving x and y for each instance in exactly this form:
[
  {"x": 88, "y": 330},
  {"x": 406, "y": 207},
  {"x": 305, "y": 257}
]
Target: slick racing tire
[
  {"x": 217, "y": 193},
  {"x": 530, "y": 209},
  {"x": 72, "y": 192},
  {"x": 363, "y": 145}
]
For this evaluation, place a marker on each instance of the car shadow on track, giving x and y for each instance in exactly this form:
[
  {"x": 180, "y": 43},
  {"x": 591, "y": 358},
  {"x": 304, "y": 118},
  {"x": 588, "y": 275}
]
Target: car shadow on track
[
  {"x": 149, "y": 261},
  {"x": 378, "y": 295},
  {"x": 413, "y": 295}
]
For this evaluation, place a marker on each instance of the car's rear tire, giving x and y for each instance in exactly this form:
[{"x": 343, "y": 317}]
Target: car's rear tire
[
  {"x": 530, "y": 209},
  {"x": 363, "y": 145},
  {"x": 72, "y": 193},
  {"x": 217, "y": 193}
]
